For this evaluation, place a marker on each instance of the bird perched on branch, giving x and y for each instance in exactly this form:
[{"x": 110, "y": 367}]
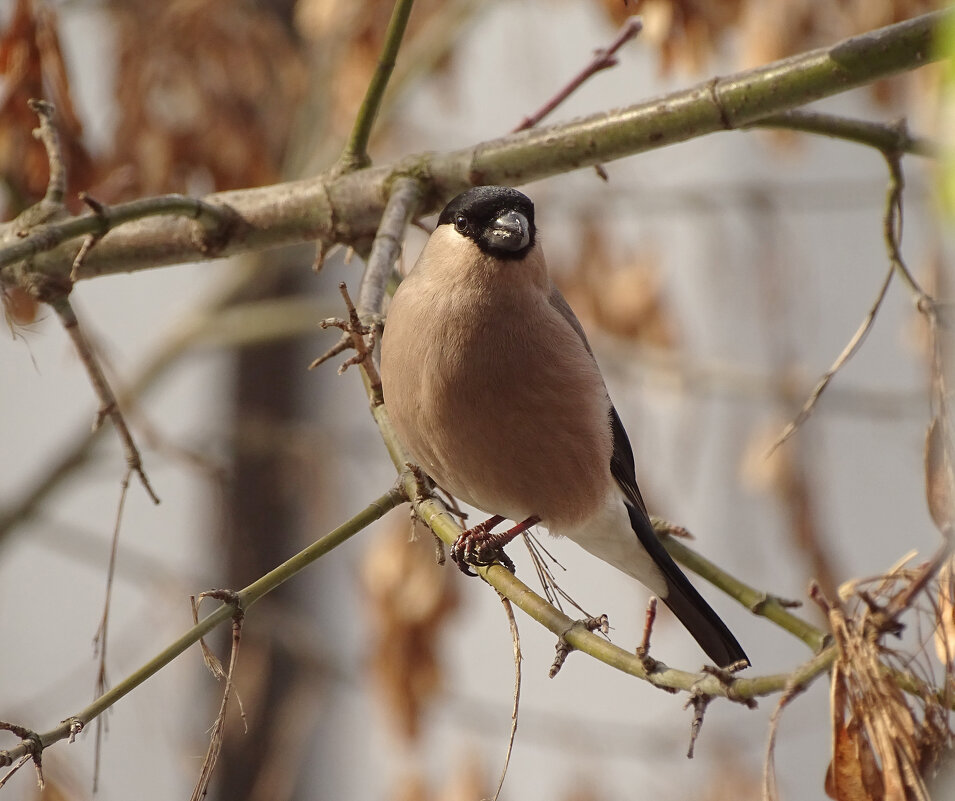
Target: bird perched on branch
[{"x": 493, "y": 389}]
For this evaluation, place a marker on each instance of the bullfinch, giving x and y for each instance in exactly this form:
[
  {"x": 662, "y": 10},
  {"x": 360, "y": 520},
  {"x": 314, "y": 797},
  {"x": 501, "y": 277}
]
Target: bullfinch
[{"x": 493, "y": 389}]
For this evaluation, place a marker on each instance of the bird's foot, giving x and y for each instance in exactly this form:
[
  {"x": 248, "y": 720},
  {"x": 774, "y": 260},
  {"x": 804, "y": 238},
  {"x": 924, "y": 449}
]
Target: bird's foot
[{"x": 479, "y": 547}]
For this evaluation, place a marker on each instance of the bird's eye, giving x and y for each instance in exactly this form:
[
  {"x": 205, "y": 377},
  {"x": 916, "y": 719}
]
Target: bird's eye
[{"x": 460, "y": 223}]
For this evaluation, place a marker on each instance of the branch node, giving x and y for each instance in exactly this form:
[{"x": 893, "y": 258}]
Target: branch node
[
  {"x": 230, "y": 597},
  {"x": 355, "y": 332},
  {"x": 217, "y": 224},
  {"x": 76, "y": 727},
  {"x": 50, "y": 137},
  {"x": 699, "y": 701},
  {"x": 650, "y": 664},
  {"x": 712, "y": 88},
  {"x": 666, "y": 528},
  {"x": 768, "y": 599},
  {"x": 31, "y": 747},
  {"x": 563, "y": 648}
]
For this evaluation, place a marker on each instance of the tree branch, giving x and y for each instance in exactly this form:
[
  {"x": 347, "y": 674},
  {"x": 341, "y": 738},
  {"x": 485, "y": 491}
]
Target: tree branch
[
  {"x": 347, "y": 208},
  {"x": 244, "y": 600},
  {"x": 402, "y": 204},
  {"x": 355, "y": 154},
  {"x": 887, "y": 138},
  {"x": 759, "y": 603},
  {"x": 604, "y": 58}
]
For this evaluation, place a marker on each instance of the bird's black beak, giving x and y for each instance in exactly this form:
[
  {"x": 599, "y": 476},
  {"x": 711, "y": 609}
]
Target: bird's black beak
[{"x": 510, "y": 231}]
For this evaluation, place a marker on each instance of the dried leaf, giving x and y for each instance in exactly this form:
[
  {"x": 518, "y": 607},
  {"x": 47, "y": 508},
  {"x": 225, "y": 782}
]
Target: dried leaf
[
  {"x": 853, "y": 774},
  {"x": 689, "y": 34},
  {"x": 939, "y": 474},
  {"x": 206, "y": 92},
  {"x": 881, "y": 746},
  {"x": 623, "y": 295},
  {"x": 467, "y": 781},
  {"x": 762, "y": 468},
  {"x": 410, "y": 598},
  {"x": 945, "y": 630},
  {"x": 19, "y": 307},
  {"x": 32, "y": 66}
]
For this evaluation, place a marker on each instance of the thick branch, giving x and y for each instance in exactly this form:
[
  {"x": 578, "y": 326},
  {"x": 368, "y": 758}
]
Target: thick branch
[{"x": 347, "y": 208}]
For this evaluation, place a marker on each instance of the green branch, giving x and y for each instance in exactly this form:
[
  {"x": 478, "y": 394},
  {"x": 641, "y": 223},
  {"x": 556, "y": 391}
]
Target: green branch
[
  {"x": 759, "y": 603},
  {"x": 39, "y": 239},
  {"x": 893, "y": 138},
  {"x": 244, "y": 599},
  {"x": 355, "y": 154}
]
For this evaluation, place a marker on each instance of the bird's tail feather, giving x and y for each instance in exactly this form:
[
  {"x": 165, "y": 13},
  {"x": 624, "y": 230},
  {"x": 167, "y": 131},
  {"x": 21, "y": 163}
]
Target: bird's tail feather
[{"x": 687, "y": 604}]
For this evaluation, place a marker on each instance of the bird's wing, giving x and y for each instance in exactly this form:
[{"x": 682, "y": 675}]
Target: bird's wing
[{"x": 621, "y": 461}]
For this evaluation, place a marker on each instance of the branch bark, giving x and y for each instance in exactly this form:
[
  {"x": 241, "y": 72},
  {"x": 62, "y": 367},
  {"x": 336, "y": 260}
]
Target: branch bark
[{"x": 347, "y": 208}]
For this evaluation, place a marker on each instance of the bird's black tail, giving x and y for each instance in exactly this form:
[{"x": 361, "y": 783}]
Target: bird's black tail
[{"x": 687, "y": 604}]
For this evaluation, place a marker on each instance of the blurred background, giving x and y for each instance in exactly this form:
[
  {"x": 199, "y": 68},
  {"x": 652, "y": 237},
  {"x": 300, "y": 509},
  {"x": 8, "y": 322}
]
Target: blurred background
[{"x": 730, "y": 272}]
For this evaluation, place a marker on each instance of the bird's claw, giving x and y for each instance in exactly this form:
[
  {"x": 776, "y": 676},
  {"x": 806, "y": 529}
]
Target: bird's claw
[{"x": 476, "y": 547}]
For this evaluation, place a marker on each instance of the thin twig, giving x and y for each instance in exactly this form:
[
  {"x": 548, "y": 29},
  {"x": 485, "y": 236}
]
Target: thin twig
[
  {"x": 100, "y": 211},
  {"x": 847, "y": 353},
  {"x": 892, "y": 234},
  {"x": 246, "y": 598},
  {"x": 32, "y": 748},
  {"x": 184, "y": 335},
  {"x": 215, "y": 218},
  {"x": 565, "y": 648},
  {"x": 355, "y": 154},
  {"x": 797, "y": 685},
  {"x": 542, "y": 559},
  {"x": 516, "y": 640},
  {"x": 699, "y": 701},
  {"x": 108, "y": 405},
  {"x": 100, "y": 640},
  {"x": 603, "y": 59},
  {"x": 215, "y": 737},
  {"x": 886, "y": 138},
  {"x": 355, "y": 331},
  {"x": 50, "y": 137},
  {"x": 759, "y": 603},
  {"x": 403, "y": 203},
  {"x": 341, "y": 346},
  {"x": 643, "y": 649},
  {"x": 385, "y": 249},
  {"x": 891, "y": 224}
]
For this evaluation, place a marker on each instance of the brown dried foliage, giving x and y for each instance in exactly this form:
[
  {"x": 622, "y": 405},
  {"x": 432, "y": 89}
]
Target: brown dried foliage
[
  {"x": 32, "y": 66},
  {"x": 786, "y": 473},
  {"x": 206, "y": 92},
  {"x": 940, "y": 472},
  {"x": 945, "y": 628},
  {"x": 410, "y": 599},
  {"x": 883, "y": 742},
  {"x": 690, "y": 32},
  {"x": 623, "y": 296}
]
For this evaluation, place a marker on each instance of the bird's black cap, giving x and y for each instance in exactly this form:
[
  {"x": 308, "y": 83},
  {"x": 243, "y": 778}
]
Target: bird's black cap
[{"x": 500, "y": 220}]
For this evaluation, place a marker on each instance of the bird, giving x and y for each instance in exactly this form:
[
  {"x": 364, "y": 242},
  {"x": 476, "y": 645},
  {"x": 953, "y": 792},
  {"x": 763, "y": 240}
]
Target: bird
[{"x": 494, "y": 390}]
